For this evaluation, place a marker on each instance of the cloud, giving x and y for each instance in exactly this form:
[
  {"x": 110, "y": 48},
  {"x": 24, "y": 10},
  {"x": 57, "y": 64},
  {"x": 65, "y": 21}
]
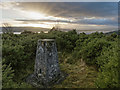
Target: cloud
[
  {"x": 91, "y": 21},
  {"x": 8, "y": 5},
  {"x": 102, "y": 11},
  {"x": 77, "y": 13},
  {"x": 25, "y": 20},
  {"x": 74, "y": 9},
  {"x": 62, "y": 0},
  {"x": 100, "y": 21}
]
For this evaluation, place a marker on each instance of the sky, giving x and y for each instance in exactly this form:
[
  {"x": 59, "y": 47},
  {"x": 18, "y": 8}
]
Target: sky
[
  {"x": 62, "y": 0},
  {"x": 66, "y": 15}
]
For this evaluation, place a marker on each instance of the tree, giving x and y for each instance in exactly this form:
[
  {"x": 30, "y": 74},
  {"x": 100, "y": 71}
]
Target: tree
[{"x": 6, "y": 27}]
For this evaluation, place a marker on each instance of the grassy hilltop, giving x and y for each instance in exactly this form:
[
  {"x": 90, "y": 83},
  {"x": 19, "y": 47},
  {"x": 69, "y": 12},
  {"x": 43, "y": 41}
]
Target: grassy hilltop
[{"x": 90, "y": 60}]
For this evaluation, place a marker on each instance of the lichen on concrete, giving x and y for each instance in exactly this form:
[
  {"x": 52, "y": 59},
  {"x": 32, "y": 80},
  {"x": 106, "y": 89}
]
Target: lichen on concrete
[{"x": 46, "y": 68}]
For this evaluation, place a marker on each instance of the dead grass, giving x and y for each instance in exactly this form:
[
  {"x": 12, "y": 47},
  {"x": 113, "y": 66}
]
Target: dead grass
[{"x": 79, "y": 75}]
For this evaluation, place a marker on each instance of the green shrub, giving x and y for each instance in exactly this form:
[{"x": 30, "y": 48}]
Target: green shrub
[
  {"x": 90, "y": 50},
  {"x": 95, "y": 49},
  {"x": 109, "y": 68},
  {"x": 7, "y": 76}
]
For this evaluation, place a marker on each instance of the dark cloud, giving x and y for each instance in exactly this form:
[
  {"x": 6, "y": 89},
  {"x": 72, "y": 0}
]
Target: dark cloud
[
  {"x": 74, "y": 9},
  {"x": 98, "y": 22},
  {"x": 79, "y": 21},
  {"x": 42, "y": 20}
]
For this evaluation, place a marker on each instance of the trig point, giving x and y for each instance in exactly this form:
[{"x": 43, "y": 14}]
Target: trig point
[{"x": 46, "y": 68}]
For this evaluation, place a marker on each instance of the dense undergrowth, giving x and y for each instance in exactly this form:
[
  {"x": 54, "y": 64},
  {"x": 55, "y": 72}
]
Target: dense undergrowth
[{"x": 97, "y": 50}]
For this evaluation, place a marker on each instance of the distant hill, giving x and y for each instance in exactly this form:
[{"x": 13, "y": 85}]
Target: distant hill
[
  {"x": 39, "y": 29},
  {"x": 117, "y": 32},
  {"x": 33, "y": 29}
]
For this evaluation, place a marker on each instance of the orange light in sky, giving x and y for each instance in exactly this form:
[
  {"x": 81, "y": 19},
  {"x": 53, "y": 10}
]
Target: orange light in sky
[{"x": 38, "y": 25}]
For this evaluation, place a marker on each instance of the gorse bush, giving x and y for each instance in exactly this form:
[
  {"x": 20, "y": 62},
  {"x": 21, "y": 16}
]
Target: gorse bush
[
  {"x": 7, "y": 76},
  {"x": 92, "y": 50},
  {"x": 103, "y": 52},
  {"x": 109, "y": 68},
  {"x": 88, "y": 47}
]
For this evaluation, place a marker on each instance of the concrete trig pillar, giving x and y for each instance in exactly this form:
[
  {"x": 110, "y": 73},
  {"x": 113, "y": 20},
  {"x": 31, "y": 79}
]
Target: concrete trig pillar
[{"x": 46, "y": 64}]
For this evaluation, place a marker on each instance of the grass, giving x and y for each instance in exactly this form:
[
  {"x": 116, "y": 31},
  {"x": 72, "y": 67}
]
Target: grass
[{"x": 79, "y": 75}]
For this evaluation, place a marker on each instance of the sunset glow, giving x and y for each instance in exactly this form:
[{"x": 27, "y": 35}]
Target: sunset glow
[
  {"x": 36, "y": 25},
  {"x": 36, "y": 15},
  {"x": 81, "y": 16},
  {"x": 40, "y": 25}
]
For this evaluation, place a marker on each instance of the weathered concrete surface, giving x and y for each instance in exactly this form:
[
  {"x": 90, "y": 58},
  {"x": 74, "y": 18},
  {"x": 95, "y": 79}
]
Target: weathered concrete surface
[{"x": 46, "y": 68}]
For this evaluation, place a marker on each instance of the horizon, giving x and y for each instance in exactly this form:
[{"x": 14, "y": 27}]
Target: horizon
[{"x": 46, "y": 30}]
